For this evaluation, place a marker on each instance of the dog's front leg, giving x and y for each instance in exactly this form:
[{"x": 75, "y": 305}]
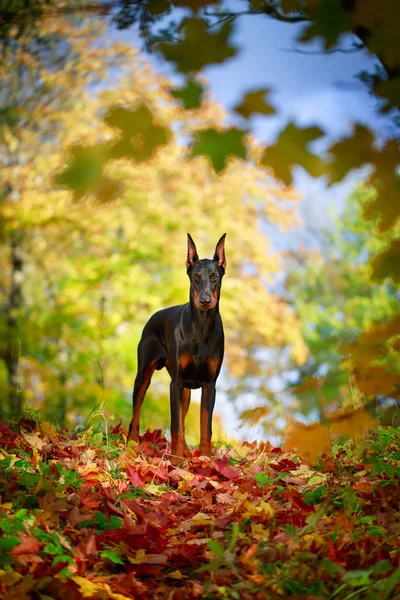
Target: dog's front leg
[
  {"x": 177, "y": 432},
  {"x": 206, "y": 412}
]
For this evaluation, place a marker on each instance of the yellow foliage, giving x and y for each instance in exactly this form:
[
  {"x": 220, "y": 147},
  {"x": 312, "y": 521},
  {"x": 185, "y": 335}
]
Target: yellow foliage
[
  {"x": 351, "y": 423},
  {"x": 309, "y": 440}
]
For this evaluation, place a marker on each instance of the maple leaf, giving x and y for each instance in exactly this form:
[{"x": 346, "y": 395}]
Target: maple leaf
[
  {"x": 390, "y": 91},
  {"x": 254, "y": 102},
  {"x": 291, "y": 149},
  {"x": 387, "y": 263},
  {"x": 134, "y": 477},
  {"x": 28, "y": 545},
  {"x": 329, "y": 22},
  {"x": 140, "y": 136},
  {"x": 219, "y": 146},
  {"x": 85, "y": 170},
  {"x": 49, "y": 430},
  {"x": 350, "y": 153},
  {"x": 191, "y": 95},
  {"x": 351, "y": 423},
  {"x": 185, "y": 53},
  {"x": 310, "y": 440},
  {"x": 226, "y": 470},
  {"x": 253, "y": 416},
  {"x": 374, "y": 379}
]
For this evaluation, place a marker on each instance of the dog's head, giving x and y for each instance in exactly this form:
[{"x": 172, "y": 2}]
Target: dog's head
[{"x": 206, "y": 275}]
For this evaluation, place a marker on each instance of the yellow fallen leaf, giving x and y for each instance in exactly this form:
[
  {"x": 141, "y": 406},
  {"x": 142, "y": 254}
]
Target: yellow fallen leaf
[
  {"x": 175, "y": 575},
  {"x": 154, "y": 489},
  {"x": 258, "y": 530},
  {"x": 49, "y": 430},
  {"x": 260, "y": 509},
  {"x": 87, "y": 588},
  {"x": 139, "y": 558},
  {"x": 9, "y": 578}
]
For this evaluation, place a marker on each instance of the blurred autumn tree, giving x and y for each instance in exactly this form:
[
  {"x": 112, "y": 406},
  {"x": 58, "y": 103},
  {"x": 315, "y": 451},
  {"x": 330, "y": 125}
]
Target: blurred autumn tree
[
  {"x": 332, "y": 292},
  {"x": 79, "y": 280}
]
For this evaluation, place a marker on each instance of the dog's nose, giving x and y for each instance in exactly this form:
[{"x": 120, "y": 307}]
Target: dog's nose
[{"x": 205, "y": 299}]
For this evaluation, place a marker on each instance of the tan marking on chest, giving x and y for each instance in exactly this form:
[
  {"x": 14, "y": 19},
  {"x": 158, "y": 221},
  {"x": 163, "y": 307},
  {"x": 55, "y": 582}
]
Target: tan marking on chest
[
  {"x": 185, "y": 360},
  {"x": 212, "y": 364}
]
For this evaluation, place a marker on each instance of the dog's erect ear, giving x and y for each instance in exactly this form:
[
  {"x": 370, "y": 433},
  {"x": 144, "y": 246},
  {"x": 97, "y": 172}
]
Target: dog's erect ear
[
  {"x": 192, "y": 256},
  {"x": 219, "y": 256}
]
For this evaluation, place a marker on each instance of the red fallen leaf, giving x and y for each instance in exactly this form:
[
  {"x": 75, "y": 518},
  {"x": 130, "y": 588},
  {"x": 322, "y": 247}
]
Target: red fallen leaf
[
  {"x": 298, "y": 502},
  {"x": 154, "y": 437},
  {"x": 27, "y": 424},
  {"x": 118, "y": 429},
  {"x": 226, "y": 470},
  {"x": 29, "y": 545},
  {"x": 223, "y": 521},
  {"x": 152, "y": 472},
  {"x": 115, "y": 509},
  {"x": 128, "y": 584},
  {"x": 109, "y": 494},
  {"x": 88, "y": 497},
  {"x": 276, "y": 450},
  {"x": 331, "y": 552},
  {"x": 284, "y": 465},
  {"x": 201, "y": 464},
  {"x": 146, "y": 448},
  {"x": 185, "y": 553},
  {"x": 251, "y": 445},
  {"x": 170, "y": 497},
  {"x": 133, "y": 506}
]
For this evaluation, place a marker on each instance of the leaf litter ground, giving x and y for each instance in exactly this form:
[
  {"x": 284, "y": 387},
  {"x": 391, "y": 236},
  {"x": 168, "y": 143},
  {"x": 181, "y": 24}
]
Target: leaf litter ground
[{"x": 85, "y": 517}]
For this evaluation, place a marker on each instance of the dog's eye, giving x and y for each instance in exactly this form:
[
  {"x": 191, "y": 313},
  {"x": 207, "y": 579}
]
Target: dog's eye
[
  {"x": 213, "y": 277},
  {"x": 196, "y": 278}
]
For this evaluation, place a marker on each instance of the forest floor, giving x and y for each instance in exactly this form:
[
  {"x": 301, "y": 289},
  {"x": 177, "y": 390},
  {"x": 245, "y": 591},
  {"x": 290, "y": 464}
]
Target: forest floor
[{"x": 83, "y": 515}]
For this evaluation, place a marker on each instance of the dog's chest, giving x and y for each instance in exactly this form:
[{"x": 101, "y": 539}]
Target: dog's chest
[{"x": 196, "y": 370}]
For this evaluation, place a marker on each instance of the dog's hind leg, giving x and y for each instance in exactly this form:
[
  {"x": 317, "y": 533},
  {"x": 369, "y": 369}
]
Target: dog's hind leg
[{"x": 147, "y": 363}]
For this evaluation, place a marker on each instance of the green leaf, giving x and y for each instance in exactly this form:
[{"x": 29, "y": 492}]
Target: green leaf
[
  {"x": 263, "y": 479},
  {"x": 358, "y": 578},
  {"x": 112, "y": 556},
  {"x": 253, "y": 103},
  {"x": 291, "y": 149},
  {"x": 219, "y": 145},
  {"x": 115, "y": 522},
  {"x": 328, "y": 21},
  {"x": 101, "y": 520},
  {"x": 199, "y": 46},
  {"x": 191, "y": 95},
  {"x": 8, "y": 543},
  {"x": 311, "y": 497},
  {"x": 140, "y": 136},
  {"x": 217, "y": 548}
]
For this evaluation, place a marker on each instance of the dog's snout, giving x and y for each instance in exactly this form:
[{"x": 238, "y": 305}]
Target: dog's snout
[{"x": 205, "y": 299}]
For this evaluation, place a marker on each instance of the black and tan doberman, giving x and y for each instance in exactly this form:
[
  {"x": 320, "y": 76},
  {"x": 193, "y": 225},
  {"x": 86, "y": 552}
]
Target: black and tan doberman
[{"x": 189, "y": 341}]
